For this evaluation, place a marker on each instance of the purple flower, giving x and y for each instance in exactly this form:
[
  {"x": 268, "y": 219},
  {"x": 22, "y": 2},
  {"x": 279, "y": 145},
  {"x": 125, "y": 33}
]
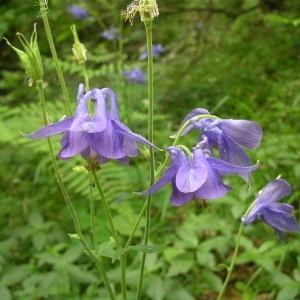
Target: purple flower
[
  {"x": 227, "y": 135},
  {"x": 197, "y": 177},
  {"x": 78, "y": 12},
  {"x": 111, "y": 34},
  {"x": 135, "y": 75},
  {"x": 156, "y": 50},
  {"x": 277, "y": 215},
  {"x": 102, "y": 138}
]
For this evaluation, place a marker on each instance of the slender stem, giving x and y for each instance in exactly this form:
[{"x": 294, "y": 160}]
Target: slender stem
[
  {"x": 237, "y": 245},
  {"x": 85, "y": 76},
  {"x": 92, "y": 213},
  {"x": 136, "y": 225},
  {"x": 97, "y": 260},
  {"x": 114, "y": 233},
  {"x": 44, "y": 11},
  {"x": 148, "y": 27},
  {"x": 230, "y": 269}
]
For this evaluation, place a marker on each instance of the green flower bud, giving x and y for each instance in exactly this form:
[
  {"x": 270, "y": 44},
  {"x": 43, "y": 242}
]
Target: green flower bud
[
  {"x": 31, "y": 57},
  {"x": 78, "y": 49}
]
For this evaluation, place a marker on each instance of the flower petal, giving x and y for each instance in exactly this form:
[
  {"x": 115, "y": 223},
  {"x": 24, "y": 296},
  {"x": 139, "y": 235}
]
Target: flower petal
[
  {"x": 213, "y": 187},
  {"x": 124, "y": 130},
  {"x": 130, "y": 147},
  {"x": 50, "y": 130},
  {"x": 109, "y": 142},
  {"x": 76, "y": 142},
  {"x": 275, "y": 190},
  {"x": 233, "y": 154},
  {"x": 272, "y": 192},
  {"x": 189, "y": 178},
  {"x": 167, "y": 177},
  {"x": 228, "y": 169},
  {"x": 281, "y": 221},
  {"x": 178, "y": 198},
  {"x": 244, "y": 132}
]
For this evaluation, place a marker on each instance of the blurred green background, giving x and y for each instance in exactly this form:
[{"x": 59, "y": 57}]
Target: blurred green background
[{"x": 238, "y": 59}]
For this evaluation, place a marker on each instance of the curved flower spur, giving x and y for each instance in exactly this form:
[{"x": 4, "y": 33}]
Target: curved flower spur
[
  {"x": 196, "y": 177},
  {"x": 97, "y": 139}
]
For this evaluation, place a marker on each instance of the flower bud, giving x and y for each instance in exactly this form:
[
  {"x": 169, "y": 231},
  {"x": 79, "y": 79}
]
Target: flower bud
[
  {"x": 78, "y": 49},
  {"x": 31, "y": 58}
]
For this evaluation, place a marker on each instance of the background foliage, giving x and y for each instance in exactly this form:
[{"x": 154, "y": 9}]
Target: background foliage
[{"x": 238, "y": 59}]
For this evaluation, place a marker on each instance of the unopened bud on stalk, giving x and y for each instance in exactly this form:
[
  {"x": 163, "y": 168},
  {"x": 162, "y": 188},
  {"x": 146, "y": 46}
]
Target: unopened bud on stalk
[
  {"x": 148, "y": 9},
  {"x": 78, "y": 49},
  {"x": 30, "y": 58}
]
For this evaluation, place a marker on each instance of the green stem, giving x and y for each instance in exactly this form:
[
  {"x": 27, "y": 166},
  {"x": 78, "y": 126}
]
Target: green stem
[
  {"x": 136, "y": 225},
  {"x": 92, "y": 212},
  {"x": 44, "y": 11},
  {"x": 114, "y": 233},
  {"x": 85, "y": 76},
  {"x": 148, "y": 27},
  {"x": 237, "y": 245},
  {"x": 230, "y": 269},
  {"x": 97, "y": 260}
]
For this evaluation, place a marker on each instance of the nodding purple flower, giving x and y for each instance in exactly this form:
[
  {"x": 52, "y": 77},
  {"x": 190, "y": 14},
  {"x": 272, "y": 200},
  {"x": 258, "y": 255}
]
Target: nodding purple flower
[
  {"x": 197, "y": 177},
  {"x": 102, "y": 138},
  {"x": 156, "y": 50},
  {"x": 111, "y": 34},
  {"x": 78, "y": 12},
  {"x": 228, "y": 136},
  {"x": 277, "y": 215},
  {"x": 135, "y": 75}
]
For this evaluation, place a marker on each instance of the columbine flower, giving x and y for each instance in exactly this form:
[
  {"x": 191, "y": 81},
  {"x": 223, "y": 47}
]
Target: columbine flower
[
  {"x": 116, "y": 140},
  {"x": 156, "y": 50},
  {"x": 99, "y": 139},
  {"x": 78, "y": 12},
  {"x": 111, "y": 34},
  {"x": 135, "y": 75},
  {"x": 277, "y": 215},
  {"x": 195, "y": 178},
  {"x": 227, "y": 135}
]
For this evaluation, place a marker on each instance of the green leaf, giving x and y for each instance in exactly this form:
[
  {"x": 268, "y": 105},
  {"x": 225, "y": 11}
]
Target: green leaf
[
  {"x": 155, "y": 287},
  {"x": 289, "y": 291},
  {"x": 188, "y": 236},
  {"x": 206, "y": 259},
  {"x": 5, "y": 293},
  {"x": 140, "y": 248},
  {"x": 15, "y": 275},
  {"x": 108, "y": 249},
  {"x": 72, "y": 254},
  {"x": 179, "y": 266},
  {"x": 148, "y": 248},
  {"x": 39, "y": 240},
  {"x": 35, "y": 219},
  {"x": 214, "y": 282}
]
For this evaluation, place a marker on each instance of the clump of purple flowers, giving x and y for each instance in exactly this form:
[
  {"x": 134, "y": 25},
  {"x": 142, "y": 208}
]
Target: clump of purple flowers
[
  {"x": 111, "y": 34},
  {"x": 277, "y": 215},
  {"x": 135, "y": 75},
  {"x": 156, "y": 50},
  {"x": 97, "y": 139},
  {"x": 78, "y": 12},
  {"x": 198, "y": 175}
]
